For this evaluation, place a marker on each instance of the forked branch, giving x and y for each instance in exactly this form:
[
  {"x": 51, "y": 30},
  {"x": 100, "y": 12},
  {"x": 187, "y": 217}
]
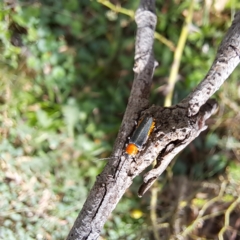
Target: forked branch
[{"x": 176, "y": 126}]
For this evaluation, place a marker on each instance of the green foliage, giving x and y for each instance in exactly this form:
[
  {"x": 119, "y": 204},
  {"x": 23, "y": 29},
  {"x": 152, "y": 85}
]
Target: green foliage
[{"x": 66, "y": 74}]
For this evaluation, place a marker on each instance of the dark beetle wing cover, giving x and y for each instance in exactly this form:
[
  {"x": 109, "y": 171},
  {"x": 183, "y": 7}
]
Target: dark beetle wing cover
[{"x": 141, "y": 133}]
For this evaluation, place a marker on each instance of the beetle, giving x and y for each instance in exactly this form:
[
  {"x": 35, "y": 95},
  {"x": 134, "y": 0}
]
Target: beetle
[{"x": 140, "y": 136}]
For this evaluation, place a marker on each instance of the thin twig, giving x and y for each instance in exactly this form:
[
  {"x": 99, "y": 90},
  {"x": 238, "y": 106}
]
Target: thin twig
[
  {"x": 165, "y": 41},
  {"x": 117, "y": 8},
  {"x": 130, "y": 13},
  {"x": 178, "y": 55},
  {"x": 199, "y": 218},
  {"x": 153, "y": 214},
  {"x": 227, "y": 218}
]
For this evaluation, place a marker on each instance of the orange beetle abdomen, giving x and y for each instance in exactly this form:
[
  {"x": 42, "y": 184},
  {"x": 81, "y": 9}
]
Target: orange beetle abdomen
[{"x": 131, "y": 149}]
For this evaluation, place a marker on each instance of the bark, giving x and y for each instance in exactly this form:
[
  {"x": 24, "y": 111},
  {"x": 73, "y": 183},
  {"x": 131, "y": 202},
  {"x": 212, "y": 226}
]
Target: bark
[{"x": 175, "y": 128}]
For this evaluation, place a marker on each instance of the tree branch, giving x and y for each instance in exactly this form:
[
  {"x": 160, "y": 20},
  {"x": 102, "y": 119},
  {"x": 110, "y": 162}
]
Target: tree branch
[
  {"x": 175, "y": 127},
  {"x": 115, "y": 179},
  {"x": 227, "y": 58}
]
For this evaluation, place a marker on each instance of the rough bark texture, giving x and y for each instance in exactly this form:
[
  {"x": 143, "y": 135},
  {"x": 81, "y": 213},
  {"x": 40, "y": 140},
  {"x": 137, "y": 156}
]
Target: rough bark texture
[{"x": 175, "y": 127}]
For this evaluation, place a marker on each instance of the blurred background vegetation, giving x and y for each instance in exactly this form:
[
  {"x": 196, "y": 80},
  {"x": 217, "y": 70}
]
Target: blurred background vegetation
[{"x": 65, "y": 77}]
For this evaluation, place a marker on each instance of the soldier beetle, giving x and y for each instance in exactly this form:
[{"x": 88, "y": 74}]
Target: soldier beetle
[{"x": 140, "y": 136}]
